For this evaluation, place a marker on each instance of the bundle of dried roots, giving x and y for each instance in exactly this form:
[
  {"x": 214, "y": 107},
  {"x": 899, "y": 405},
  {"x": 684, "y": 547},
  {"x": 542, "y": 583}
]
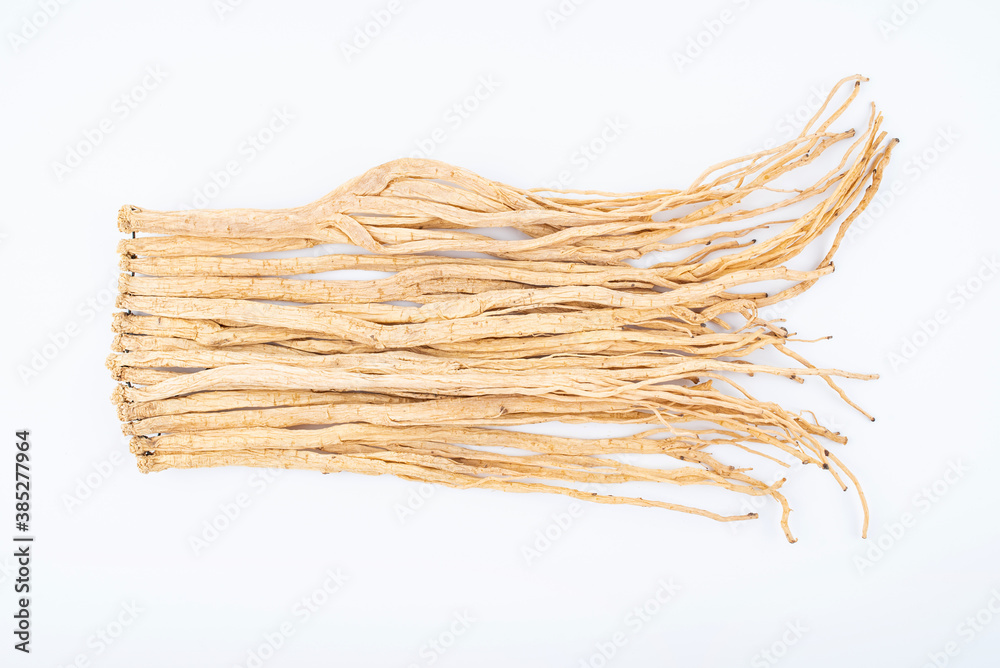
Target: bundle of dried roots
[{"x": 230, "y": 354}]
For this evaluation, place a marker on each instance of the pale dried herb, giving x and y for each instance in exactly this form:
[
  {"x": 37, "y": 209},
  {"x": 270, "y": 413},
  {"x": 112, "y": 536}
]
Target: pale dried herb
[{"x": 232, "y": 360}]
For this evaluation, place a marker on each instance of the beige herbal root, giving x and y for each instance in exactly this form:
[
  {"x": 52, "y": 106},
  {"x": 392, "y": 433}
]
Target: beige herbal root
[{"x": 496, "y": 307}]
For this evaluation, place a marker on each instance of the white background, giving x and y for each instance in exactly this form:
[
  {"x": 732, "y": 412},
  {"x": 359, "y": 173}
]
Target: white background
[{"x": 935, "y": 78}]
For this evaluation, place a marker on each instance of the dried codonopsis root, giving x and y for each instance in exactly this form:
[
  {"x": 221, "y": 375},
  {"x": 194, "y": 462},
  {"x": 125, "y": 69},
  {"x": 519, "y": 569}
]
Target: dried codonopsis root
[
  {"x": 403, "y": 208},
  {"x": 330, "y": 463},
  {"x": 429, "y": 369}
]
